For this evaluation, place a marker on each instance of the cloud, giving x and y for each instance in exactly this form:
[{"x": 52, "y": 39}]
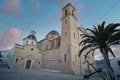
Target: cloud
[
  {"x": 61, "y": 3},
  {"x": 35, "y": 7},
  {"x": 11, "y": 6},
  {"x": 98, "y": 55},
  {"x": 9, "y": 38},
  {"x": 79, "y": 9},
  {"x": 115, "y": 49},
  {"x": 36, "y": 4}
]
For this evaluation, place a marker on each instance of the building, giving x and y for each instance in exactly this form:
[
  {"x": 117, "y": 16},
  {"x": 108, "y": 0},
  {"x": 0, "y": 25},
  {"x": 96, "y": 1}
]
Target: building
[
  {"x": 115, "y": 64},
  {"x": 6, "y": 57},
  {"x": 55, "y": 51}
]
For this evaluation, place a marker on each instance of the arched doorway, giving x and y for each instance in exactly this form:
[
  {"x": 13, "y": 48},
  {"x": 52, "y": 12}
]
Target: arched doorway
[{"x": 28, "y": 64}]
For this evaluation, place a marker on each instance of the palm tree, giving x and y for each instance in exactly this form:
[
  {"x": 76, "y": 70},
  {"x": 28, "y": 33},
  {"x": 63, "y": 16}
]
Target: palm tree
[{"x": 102, "y": 38}]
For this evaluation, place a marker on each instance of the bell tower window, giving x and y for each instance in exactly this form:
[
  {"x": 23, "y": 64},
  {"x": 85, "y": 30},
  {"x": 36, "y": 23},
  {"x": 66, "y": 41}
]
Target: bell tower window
[
  {"x": 65, "y": 11},
  {"x": 72, "y": 12}
]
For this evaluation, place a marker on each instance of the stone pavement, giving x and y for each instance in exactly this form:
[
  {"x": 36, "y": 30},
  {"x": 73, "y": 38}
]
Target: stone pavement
[
  {"x": 23, "y": 74},
  {"x": 17, "y": 74}
]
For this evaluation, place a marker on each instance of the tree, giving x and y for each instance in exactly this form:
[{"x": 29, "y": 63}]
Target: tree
[{"x": 102, "y": 38}]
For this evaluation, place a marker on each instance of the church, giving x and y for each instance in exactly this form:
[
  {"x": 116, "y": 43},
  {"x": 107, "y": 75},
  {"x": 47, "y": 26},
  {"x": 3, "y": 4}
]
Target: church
[{"x": 56, "y": 51}]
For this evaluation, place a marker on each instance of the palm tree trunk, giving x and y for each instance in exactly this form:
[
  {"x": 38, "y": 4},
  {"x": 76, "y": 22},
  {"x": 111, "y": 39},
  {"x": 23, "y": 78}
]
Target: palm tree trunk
[{"x": 108, "y": 68}]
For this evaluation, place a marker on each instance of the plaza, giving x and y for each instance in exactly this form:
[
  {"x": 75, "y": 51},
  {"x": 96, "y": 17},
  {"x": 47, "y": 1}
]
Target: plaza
[
  {"x": 25, "y": 74},
  {"x": 20, "y": 74}
]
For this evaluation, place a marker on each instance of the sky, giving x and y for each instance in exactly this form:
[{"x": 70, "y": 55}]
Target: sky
[{"x": 19, "y": 17}]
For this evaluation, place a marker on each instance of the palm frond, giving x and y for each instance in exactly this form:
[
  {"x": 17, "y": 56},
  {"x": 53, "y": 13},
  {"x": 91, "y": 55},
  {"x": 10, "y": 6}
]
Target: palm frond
[
  {"x": 111, "y": 52},
  {"x": 114, "y": 38},
  {"x": 103, "y": 24},
  {"x": 111, "y": 27},
  {"x": 91, "y": 50},
  {"x": 84, "y": 48},
  {"x": 114, "y": 26},
  {"x": 92, "y": 31}
]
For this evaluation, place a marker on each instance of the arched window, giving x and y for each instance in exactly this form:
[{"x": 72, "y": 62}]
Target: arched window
[
  {"x": 16, "y": 60},
  {"x": 38, "y": 62},
  {"x": 65, "y": 11},
  {"x": 72, "y": 12}
]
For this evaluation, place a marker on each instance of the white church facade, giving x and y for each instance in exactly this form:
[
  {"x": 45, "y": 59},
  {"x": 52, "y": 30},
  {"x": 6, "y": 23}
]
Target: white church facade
[{"x": 55, "y": 51}]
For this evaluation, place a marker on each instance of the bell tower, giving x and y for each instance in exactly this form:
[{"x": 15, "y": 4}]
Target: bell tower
[{"x": 69, "y": 39}]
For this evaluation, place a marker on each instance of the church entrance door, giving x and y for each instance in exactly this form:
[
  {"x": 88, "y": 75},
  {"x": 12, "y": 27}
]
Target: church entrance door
[{"x": 28, "y": 64}]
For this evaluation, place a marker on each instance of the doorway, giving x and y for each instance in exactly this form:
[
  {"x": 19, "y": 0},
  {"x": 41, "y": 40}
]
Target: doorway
[{"x": 28, "y": 64}]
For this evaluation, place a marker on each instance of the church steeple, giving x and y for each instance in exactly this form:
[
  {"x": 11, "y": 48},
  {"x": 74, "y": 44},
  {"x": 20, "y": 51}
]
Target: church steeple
[
  {"x": 30, "y": 39},
  {"x": 33, "y": 32},
  {"x": 68, "y": 10},
  {"x": 69, "y": 38}
]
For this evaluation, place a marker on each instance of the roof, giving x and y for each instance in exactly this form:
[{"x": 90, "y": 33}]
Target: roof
[
  {"x": 53, "y": 32},
  {"x": 32, "y": 36},
  {"x": 69, "y": 4}
]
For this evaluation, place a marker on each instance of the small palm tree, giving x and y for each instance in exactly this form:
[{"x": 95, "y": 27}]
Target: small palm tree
[{"x": 102, "y": 38}]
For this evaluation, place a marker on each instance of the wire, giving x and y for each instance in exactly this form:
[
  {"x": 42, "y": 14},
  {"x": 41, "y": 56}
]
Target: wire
[
  {"x": 110, "y": 9},
  {"x": 6, "y": 22}
]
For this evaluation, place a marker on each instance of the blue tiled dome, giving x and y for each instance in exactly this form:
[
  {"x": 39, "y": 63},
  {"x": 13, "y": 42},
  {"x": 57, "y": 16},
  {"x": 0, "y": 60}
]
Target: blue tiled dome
[
  {"x": 31, "y": 36},
  {"x": 53, "y": 32}
]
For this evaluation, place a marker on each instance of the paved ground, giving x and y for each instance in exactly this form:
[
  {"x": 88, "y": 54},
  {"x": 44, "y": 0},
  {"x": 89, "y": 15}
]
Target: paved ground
[
  {"x": 17, "y": 74},
  {"x": 20, "y": 74}
]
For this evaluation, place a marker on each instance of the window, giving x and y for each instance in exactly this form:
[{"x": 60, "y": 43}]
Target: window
[
  {"x": 65, "y": 21},
  {"x": 65, "y": 57},
  {"x": 72, "y": 12},
  {"x": 65, "y": 34},
  {"x": 38, "y": 62},
  {"x": 74, "y": 35},
  {"x": 27, "y": 42},
  {"x": 31, "y": 49},
  {"x": 16, "y": 60},
  {"x": 55, "y": 43},
  {"x": 32, "y": 42},
  {"x": 75, "y": 58},
  {"x": 66, "y": 12}
]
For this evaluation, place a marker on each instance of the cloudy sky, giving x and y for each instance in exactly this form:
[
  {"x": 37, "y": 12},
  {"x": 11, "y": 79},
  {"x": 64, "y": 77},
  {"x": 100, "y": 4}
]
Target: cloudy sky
[{"x": 19, "y": 17}]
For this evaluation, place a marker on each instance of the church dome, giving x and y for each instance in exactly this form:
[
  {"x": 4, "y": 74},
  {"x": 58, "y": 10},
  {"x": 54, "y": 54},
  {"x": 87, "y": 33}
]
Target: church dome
[
  {"x": 52, "y": 35},
  {"x": 31, "y": 36},
  {"x": 53, "y": 32}
]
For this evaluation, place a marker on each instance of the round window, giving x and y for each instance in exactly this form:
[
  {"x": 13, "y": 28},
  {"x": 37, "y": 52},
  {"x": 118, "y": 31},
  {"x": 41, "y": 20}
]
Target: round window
[{"x": 31, "y": 49}]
